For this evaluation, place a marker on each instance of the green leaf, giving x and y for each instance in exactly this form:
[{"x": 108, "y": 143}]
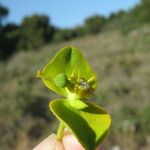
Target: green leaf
[
  {"x": 68, "y": 61},
  {"x": 89, "y": 124},
  {"x": 78, "y": 104}
]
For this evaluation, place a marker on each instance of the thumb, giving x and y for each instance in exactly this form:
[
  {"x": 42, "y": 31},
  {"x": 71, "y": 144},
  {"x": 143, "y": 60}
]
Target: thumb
[{"x": 50, "y": 143}]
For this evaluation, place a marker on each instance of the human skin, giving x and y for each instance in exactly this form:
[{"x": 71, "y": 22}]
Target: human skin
[{"x": 68, "y": 141}]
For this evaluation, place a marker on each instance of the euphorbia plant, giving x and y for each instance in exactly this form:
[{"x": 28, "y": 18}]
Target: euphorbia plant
[{"x": 69, "y": 75}]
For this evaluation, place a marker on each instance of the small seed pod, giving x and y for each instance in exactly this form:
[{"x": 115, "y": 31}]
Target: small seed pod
[
  {"x": 83, "y": 88},
  {"x": 61, "y": 80}
]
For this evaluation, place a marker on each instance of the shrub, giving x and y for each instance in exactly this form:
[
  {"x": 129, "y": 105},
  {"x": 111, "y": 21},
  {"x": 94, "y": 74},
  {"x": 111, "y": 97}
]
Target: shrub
[
  {"x": 94, "y": 24},
  {"x": 35, "y": 31}
]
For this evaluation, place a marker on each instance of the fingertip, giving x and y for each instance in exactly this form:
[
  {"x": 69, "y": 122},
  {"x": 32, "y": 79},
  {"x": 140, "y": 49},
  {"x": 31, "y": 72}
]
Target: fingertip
[{"x": 69, "y": 141}]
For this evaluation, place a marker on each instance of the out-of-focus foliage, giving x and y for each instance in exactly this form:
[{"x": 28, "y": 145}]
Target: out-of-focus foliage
[
  {"x": 68, "y": 34},
  {"x": 94, "y": 24},
  {"x": 64, "y": 35},
  {"x": 142, "y": 11},
  {"x": 35, "y": 31},
  {"x": 9, "y": 37},
  {"x": 3, "y": 13}
]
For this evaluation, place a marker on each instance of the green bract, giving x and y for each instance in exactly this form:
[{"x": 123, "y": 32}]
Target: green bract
[
  {"x": 69, "y": 75},
  {"x": 70, "y": 63}
]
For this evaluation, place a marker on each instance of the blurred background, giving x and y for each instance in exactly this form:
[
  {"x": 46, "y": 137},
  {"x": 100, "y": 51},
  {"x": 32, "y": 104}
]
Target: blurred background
[{"x": 115, "y": 38}]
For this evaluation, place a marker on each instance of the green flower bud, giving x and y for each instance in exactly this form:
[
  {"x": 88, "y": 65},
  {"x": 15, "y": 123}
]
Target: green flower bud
[{"x": 61, "y": 80}]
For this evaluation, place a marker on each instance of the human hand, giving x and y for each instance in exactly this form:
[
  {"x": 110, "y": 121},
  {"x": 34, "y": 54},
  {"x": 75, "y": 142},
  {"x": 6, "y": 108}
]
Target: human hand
[{"x": 68, "y": 142}]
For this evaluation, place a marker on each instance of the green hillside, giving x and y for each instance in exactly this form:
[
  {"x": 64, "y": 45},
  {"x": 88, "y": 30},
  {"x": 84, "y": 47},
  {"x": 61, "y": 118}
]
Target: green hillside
[{"x": 122, "y": 64}]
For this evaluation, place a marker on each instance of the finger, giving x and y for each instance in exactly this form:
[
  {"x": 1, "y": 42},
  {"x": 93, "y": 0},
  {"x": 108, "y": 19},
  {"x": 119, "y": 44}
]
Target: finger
[
  {"x": 50, "y": 143},
  {"x": 69, "y": 141}
]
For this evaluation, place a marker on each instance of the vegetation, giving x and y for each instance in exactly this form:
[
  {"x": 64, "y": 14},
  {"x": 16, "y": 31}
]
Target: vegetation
[
  {"x": 120, "y": 56},
  {"x": 94, "y": 24},
  {"x": 36, "y": 30}
]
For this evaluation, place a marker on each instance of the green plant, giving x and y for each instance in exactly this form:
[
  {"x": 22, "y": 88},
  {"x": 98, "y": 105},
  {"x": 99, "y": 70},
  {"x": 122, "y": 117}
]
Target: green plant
[{"x": 69, "y": 75}]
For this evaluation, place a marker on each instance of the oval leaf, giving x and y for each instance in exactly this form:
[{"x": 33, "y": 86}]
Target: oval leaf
[{"x": 89, "y": 125}]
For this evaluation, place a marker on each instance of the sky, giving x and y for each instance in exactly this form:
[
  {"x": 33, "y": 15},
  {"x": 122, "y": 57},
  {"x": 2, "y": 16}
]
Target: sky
[{"x": 64, "y": 13}]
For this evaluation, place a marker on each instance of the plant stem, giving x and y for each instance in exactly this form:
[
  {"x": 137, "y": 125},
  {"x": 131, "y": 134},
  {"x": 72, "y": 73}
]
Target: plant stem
[{"x": 60, "y": 131}]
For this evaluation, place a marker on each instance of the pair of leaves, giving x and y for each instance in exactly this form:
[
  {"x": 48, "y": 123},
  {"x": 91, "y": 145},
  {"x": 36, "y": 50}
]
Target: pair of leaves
[
  {"x": 68, "y": 69},
  {"x": 67, "y": 61}
]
